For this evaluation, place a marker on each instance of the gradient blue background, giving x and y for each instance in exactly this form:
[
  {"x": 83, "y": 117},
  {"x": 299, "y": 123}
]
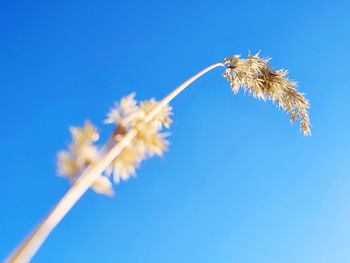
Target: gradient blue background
[{"x": 239, "y": 183}]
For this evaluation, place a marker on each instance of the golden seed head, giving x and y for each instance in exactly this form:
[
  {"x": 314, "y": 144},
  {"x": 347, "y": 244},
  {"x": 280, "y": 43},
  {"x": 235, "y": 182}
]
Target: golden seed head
[
  {"x": 259, "y": 79},
  {"x": 82, "y": 153},
  {"x": 150, "y": 141},
  {"x": 127, "y": 115}
]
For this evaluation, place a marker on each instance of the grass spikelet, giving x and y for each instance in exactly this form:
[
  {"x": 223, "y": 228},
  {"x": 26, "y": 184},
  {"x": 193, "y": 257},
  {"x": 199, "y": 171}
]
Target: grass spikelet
[
  {"x": 259, "y": 79},
  {"x": 82, "y": 153},
  {"x": 126, "y": 115},
  {"x": 149, "y": 141}
]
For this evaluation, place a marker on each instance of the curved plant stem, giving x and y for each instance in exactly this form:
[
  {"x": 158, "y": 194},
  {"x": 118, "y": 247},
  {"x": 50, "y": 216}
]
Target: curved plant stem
[{"x": 30, "y": 246}]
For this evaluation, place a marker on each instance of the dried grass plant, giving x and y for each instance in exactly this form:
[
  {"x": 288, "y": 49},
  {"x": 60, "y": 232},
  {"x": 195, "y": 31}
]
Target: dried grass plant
[{"x": 138, "y": 135}]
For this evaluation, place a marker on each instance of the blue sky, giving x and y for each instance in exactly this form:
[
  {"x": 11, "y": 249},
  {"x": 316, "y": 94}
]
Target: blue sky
[{"x": 239, "y": 183}]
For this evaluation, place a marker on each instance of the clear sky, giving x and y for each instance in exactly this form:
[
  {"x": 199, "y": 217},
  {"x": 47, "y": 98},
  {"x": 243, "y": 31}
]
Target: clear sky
[{"x": 239, "y": 182}]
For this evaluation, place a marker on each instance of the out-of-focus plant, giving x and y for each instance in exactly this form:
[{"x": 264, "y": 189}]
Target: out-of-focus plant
[{"x": 138, "y": 135}]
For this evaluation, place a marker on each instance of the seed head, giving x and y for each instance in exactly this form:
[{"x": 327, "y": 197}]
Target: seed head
[
  {"x": 259, "y": 79},
  {"x": 150, "y": 141},
  {"x": 126, "y": 115},
  {"x": 82, "y": 153}
]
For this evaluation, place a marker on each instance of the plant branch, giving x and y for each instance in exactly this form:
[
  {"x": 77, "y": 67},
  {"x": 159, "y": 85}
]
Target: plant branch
[{"x": 31, "y": 245}]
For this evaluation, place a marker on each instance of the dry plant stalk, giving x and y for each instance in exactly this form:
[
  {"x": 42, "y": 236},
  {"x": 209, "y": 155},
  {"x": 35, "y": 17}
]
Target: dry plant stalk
[{"x": 138, "y": 135}]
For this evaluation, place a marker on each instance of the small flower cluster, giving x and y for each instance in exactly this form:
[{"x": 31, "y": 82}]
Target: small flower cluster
[
  {"x": 149, "y": 141},
  {"x": 127, "y": 115},
  {"x": 255, "y": 76},
  {"x": 82, "y": 153}
]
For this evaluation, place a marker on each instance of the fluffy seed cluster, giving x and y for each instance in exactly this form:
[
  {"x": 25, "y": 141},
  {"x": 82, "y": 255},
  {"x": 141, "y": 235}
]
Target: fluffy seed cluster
[
  {"x": 258, "y": 78},
  {"x": 150, "y": 141},
  {"x": 82, "y": 153},
  {"x": 127, "y": 115}
]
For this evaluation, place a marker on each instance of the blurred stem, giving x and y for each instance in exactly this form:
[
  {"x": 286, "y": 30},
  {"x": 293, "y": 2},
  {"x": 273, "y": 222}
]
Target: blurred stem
[{"x": 30, "y": 246}]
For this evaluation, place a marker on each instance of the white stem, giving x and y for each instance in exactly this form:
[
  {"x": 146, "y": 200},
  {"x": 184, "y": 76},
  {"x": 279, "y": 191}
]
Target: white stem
[{"x": 30, "y": 246}]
